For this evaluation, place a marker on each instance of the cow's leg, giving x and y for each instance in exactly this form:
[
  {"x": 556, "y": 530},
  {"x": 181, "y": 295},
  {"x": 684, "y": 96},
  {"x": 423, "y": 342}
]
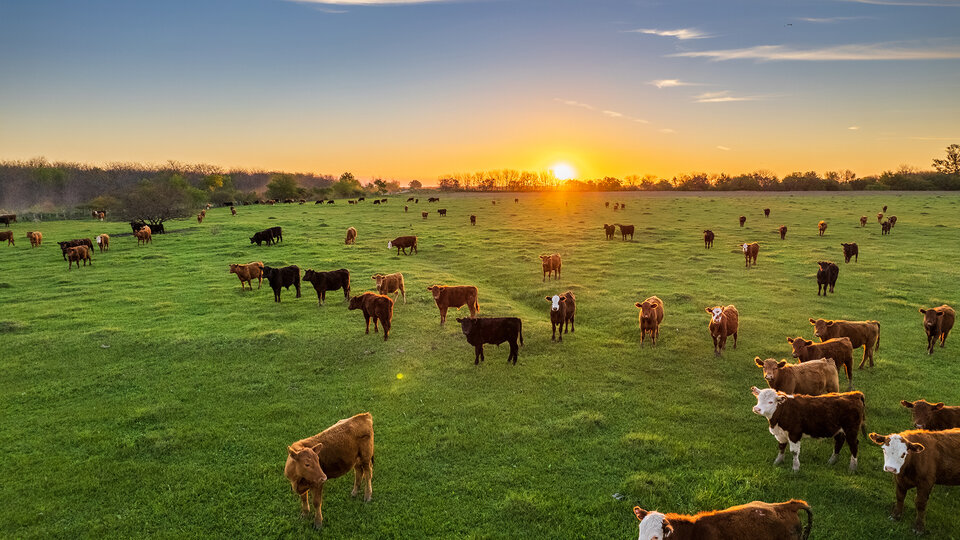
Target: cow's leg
[
  {"x": 854, "y": 443},
  {"x": 943, "y": 338},
  {"x": 443, "y": 315},
  {"x": 781, "y": 447},
  {"x": 367, "y": 317},
  {"x": 304, "y": 504},
  {"x": 357, "y": 478},
  {"x": 866, "y": 348},
  {"x": 848, "y": 367},
  {"x": 931, "y": 341},
  {"x": 318, "y": 501},
  {"x": 734, "y": 340},
  {"x": 795, "y": 448},
  {"x": 837, "y": 446},
  {"x": 553, "y": 336},
  {"x": 923, "y": 493},
  {"x": 544, "y": 276},
  {"x": 297, "y": 285},
  {"x": 901, "y": 493},
  {"x": 368, "y": 491},
  {"x": 722, "y": 343},
  {"x": 477, "y": 350},
  {"x": 376, "y": 330},
  {"x": 514, "y": 352}
]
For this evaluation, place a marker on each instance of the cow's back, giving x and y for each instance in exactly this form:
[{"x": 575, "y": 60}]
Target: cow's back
[{"x": 940, "y": 459}]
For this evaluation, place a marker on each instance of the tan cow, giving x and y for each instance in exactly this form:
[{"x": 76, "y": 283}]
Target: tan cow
[
  {"x": 351, "y": 236},
  {"x": 812, "y": 378},
  {"x": 389, "y": 284},
  {"x": 77, "y": 254},
  {"x": 551, "y": 265},
  {"x": 724, "y": 322},
  {"x": 247, "y": 272},
  {"x": 651, "y": 315},
  {"x": 8, "y": 236},
  {"x": 103, "y": 241},
  {"x": 750, "y": 252},
  {"x": 822, "y": 227},
  {"x": 35, "y": 237},
  {"x": 144, "y": 235},
  {"x": 863, "y": 221},
  {"x": 864, "y": 334},
  {"x": 455, "y": 296}
]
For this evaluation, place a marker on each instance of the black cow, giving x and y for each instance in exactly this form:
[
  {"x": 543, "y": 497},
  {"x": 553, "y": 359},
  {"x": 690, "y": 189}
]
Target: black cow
[
  {"x": 826, "y": 276},
  {"x": 155, "y": 228},
  {"x": 330, "y": 202},
  {"x": 65, "y": 246},
  {"x": 376, "y": 201},
  {"x": 494, "y": 330},
  {"x": 282, "y": 277},
  {"x": 276, "y": 233},
  {"x": 7, "y": 219},
  {"x": 361, "y": 199},
  {"x": 262, "y": 236},
  {"x": 851, "y": 250},
  {"x": 442, "y": 212},
  {"x": 329, "y": 281}
]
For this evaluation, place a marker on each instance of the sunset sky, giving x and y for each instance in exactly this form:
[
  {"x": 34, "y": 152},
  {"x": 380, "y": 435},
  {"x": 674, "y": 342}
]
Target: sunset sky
[{"x": 414, "y": 90}]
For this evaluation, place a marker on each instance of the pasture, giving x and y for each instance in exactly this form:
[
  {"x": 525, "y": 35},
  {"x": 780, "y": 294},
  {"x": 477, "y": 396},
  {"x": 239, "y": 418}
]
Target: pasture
[{"x": 147, "y": 395}]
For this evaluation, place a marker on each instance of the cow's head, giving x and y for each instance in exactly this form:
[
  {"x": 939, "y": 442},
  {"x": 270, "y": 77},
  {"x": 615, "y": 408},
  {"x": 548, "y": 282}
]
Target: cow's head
[
  {"x": 466, "y": 324},
  {"x": 306, "y": 463},
  {"x": 767, "y": 400},
  {"x": 647, "y": 309},
  {"x": 233, "y": 268},
  {"x": 799, "y": 345},
  {"x": 309, "y": 275},
  {"x": 716, "y": 313},
  {"x": 824, "y": 265},
  {"x": 555, "y": 301},
  {"x": 707, "y": 231},
  {"x": 895, "y": 450},
  {"x": 390, "y": 245},
  {"x": 356, "y": 302},
  {"x": 931, "y": 319},
  {"x": 821, "y": 327},
  {"x": 847, "y": 247},
  {"x": 922, "y": 411},
  {"x": 436, "y": 290},
  {"x": 770, "y": 367},
  {"x": 744, "y": 247},
  {"x": 653, "y": 525},
  {"x": 378, "y": 278},
  {"x": 545, "y": 259}
]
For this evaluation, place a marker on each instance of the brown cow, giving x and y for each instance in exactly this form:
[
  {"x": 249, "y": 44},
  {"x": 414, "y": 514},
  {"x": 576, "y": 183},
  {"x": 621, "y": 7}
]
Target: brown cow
[
  {"x": 473, "y": 219},
  {"x": 424, "y": 214},
  {"x": 892, "y": 220},
  {"x": 791, "y": 417},
  {"x": 783, "y": 232},
  {"x": 247, "y": 272},
  {"x": 551, "y": 264},
  {"x": 863, "y": 221},
  {"x": 35, "y": 238},
  {"x": 233, "y": 210},
  {"x": 839, "y": 349},
  {"x": 750, "y": 252},
  {"x": 753, "y": 520},
  {"x": 404, "y": 242},
  {"x": 811, "y": 378},
  {"x": 743, "y": 219},
  {"x": 651, "y": 315},
  {"x": 822, "y": 227},
  {"x": 864, "y": 334},
  {"x": 933, "y": 416},
  {"x": 610, "y": 230},
  {"x": 199, "y": 219},
  {"x": 625, "y": 230},
  {"x": 377, "y": 307},
  {"x": 442, "y": 212},
  {"x": 389, "y": 284},
  {"x": 708, "y": 237},
  {"x": 406, "y": 208},
  {"x": 766, "y": 212},
  {"x": 8, "y": 236},
  {"x": 455, "y": 296},
  {"x": 879, "y": 217},
  {"x": 103, "y": 241},
  {"x": 144, "y": 235},
  {"x": 332, "y": 453},
  {"x": 920, "y": 459},
  {"x": 351, "y": 236},
  {"x": 885, "y": 228},
  {"x": 850, "y": 250},
  {"x": 724, "y": 321},
  {"x": 563, "y": 309},
  {"x": 884, "y": 209},
  {"x": 77, "y": 254},
  {"x": 937, "y": 322}
]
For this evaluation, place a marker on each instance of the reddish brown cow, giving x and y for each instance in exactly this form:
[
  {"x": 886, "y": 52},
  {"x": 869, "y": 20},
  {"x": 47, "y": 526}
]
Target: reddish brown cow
[
  {"x": 248, "y": 272},
  {"x": 838, "y": 349},
  {"x": 933, "y": 416},
  {"x": 8, "y": 236},
  {"x": 351, "y": 236},
  {"x": 937, "y": 322},
  {"x": 893, "y": 221},
  {"x": 864, "y": 334},
  {"x": 551, "y": 264},
  {"x": 377, "y": 307},
  {"x": 424, "y": 214},
  {"x": 35, "y": 238},
  {"x": 766, "y": 212},
  {"x": 822, "y": 227},
  {"x": 103, "y": 240},
  {"x": 404, "y": 242},
  {"x": 610, "y": 230},
  {"x": 455, "y": 296},
  {"x": 850, "y": 251},
  {"x": 389, "y": 284},
  {"x": 144, "y": 235},
  {"x": 625, "y": 230},
  {"x": 879, "y": 217},
  {"x": 332, "y": 453},
  {"x": 724, "y": 321},
  {"x": 473, "y": 219},
  {"x": 758, "y": 519},
  {"x": 77, "y": 254},
  {"x": 233, "y": 210},
  {"x": 750, "y": 253},
  {"x": 708, "y": 237},
  {"x": 863, "y": 221},
  {"x": 651, "y": 315},
  {"x": 885, "y": 228},
  {"x": 563, "y": 309},
  {"x": 811, "y": 378},
  {"x": 743, "y": 219},
  {"x": 783, "y": 232},
  {"x": 199, "y": 219}
]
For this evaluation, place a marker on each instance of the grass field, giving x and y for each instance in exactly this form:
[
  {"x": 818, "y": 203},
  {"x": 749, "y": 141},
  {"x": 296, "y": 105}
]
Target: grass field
[{"x": 148, "y": 395}]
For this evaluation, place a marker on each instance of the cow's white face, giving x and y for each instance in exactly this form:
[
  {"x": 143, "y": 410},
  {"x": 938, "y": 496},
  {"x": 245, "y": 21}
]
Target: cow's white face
[
  {"x": 651, "y": 528},
  {"x": 555, "y": 303},
  {"x": 767, "y": 401},
  {"x": 717, "y": 313},
  {"x": 99, "y": 239},
  {"x": 390, "y": 245},
  {"x": 744, "y": 248},
  {"x": 894, "y": 454}
]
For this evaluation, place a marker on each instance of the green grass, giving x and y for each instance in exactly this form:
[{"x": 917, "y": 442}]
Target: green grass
[{"x": 148, "y": 395}]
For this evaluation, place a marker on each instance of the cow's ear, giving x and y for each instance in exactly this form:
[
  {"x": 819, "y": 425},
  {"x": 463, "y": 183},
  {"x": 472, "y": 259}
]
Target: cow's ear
[
  {"x": 831, "y": 323},
  {"x": 938, "y": 406},
  {"x": 754, "y": 390},
  {"x": 563, "y": 299},
  {"x": 878, "y": 439},
  {"x": 639, "y": 512},
  {"x": 789, "y": 340},
  {"x": 906, "y": 403},
  {"x": 939, "y": 314},
  {"x": 781, "y": 397},
  {"x": 638, "y": 304},
  {"x": 923, "y": 310},
  {"x": 654, "y": 305},
  {"x": 813, "y": 321},
  {"x": 758, "y": 361},
  {"x": 708, "y": 310},
  {"x": 291, "y": 452},
  {"x": 459, "y": 319},
  {"x": 781, "y": 363},
  {"x": 914, "y": 447},
  {"x": 549, "y": 299},
  {"x": 316, "y": 448},
  {"x": 807, "y": 342},
  {"x": 667, "y": 528}
]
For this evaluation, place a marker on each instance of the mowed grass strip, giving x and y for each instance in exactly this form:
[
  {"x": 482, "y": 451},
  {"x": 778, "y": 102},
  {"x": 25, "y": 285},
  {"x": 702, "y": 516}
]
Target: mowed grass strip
[{"x": 146, "y": 394}]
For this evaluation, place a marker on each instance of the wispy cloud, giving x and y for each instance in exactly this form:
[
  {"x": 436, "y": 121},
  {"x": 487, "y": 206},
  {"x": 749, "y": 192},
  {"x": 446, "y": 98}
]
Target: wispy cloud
[
  {"x": 827, "y": 20},
  {"x": 854, "y": 128},
  {"x": 606, "y": 112},
  {"x": 724, "y": 148},
  {"x": 723, "y": 97},
  {"x": 667, "y": 130},
  {"x": 572, "y": 103},
  {"x": 680, "y": 33},
  {"x": 672, "y": 83},
  {"x": 918, "y": 3},
  {"x": 874, "y": 51}
]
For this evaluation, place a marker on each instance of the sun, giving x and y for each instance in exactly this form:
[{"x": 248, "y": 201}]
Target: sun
[{"x": 563, "y": 171}]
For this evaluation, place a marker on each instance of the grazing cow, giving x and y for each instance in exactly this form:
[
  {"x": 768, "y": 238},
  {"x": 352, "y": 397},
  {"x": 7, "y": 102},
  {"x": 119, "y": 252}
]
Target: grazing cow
[
  {"x": 864, "y": 334},
  {"x": 139, "y": 224},
  {"x": 8, "y": 236},
  {"x": 375, "y": 201},
  {"x": 233, "y": 209},
  {"x": 351, "y": 236},
  {"x": 811, "y": 378},
  {"x": 920, "y": 459},
  {"x": 783, "y": 232},
  {"x": 442, "y": 212},
  {"x": 384, "y": 201},
  {"x": 262, "y": 236},
  {"x": 937, "y": 322},
  {"x": 332, "y": 453},
  {"x": 331, "y": 202},
  {"x": 743, "y": 219},
  {"x": 623, "y": 205},
  {"x": 753, "y": 520},
  {"x": 551, "y": 264},
  {"x": 64, "y": 246},
  {"x": 708, "y": 237},
  {"x": 329, "y": 281},
  {"x": 625, "y": 230},
  {"x": 455, "y": 296},
  {"x": 35, "y": 238},
  {"x": 822, "y": 227},
  {"x": 7, "y": 219},
  {"x": 247, "y": 273},
  {"x": 724, "y": 321},
  {"x": 932, "y": 416},
  {"x": 766, "y": 212},
  {"x": 793, "y": 416},
  {"x": 851, "y": 250},
  {"x": 416, "y": 201},
  {"x": 361, "y": 199},
  {"x": 144, "y": 235},
  {"x": 610, "y": 230},
  {"x": 863, "y": 221},
  {"x": 352, "y": 201},
  {"x": 406, "y": 208},
  {"x": 77, "y": 254},
  {"x": 750, "y": 252},
  {"x": 433, "y": 199},
  {"x": 839, "y": 349},
  {"x": 473, "y": 219},
  {"x": 409, "y": 199},
  {"x": 885, "y": 227},
  {"x": 103, "y": 240},
  {"x": 879, "y": 217},
  {"x": 424, "y": 214},
  {"x": 884, "y": 209},
  {"x": 493, "y": 330},
  {"x": 199, "y": 219},
  {"x": 318, "y": 202},
  {"x": 404, "y": 242},
  {"x": 389, "y": 284},
  {"x": 651, "y": 315},
  {"x": 377, "y": 307},
  {"x": 493, "y": 203},
  {"x": 826, "y": 276},
  {"x": 893, "y": 221},
  {"x": 563, "y": 309},
  {"x": 276, "y": 234},
  {"x": 282, "y": 277}
]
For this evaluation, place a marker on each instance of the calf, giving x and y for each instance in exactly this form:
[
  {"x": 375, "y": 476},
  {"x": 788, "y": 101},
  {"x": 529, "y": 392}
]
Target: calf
[
  {"x": 144, "y": 235},
  {"x": 724, "y": 321},
  {"x": 750, "y": 252},
  {"x": 409, "y": 199},
  {"x": 493, "y": 330},
  {"x": 103, "y": 241},
  {"x": 406, "y": 209},
  {"x": 77, "y": 254},
  {"x": 424, "y": 214},
  {"x": 233, "y": 210},
  {"x": 822, "y": 227},
  {"x": 743, "y": 219},
  {"x": 879, "y": 217},
  {"x": 863, "y": 221},
  {"x": 377, "y": 307},
  {"x": 247, "y": 273},
  {"x": 811, "y": 378},
  {"x": 442, "y": 212},
  {"x": 609, "y": 230},
  {"x": 933, "y": 416},
  {"x": 199, "y": 219},
  {"x": 838, "y": 349},
  {"x": 864, "y": 334},
  {"x": 35, "y": 238},
  {"x": 753, "y": 520},
  {"x": 783, "y": 232},
  {"x": 625, "y": 230},
  {"x": 920, "y": 459},
  {"x": 351, "y": 236},
  {"x": 562, "y": 312},
  {"x": 884, "y": 209},
  {"x": 332, "y": 453},
  {"x": 851, "y": 250},
  {"x": 262, "y": 236},
  {"x": 404, "y": 242},
  {"x": 826, "y": 276},
  {"x": 708, "y": 237},
  {"x": 550, "y": 264},
  {"x": 791, "y": 417},
  {"x": 64, "y": 246},
  {"x": 893, "y": 221},
  {"x": 390, "y": 283},
  {"x": 282, "y": 277},
  {"x": 8, "y": 236},
  {"x": 328, "y": 281},
  {"x": 276, "y": 234},
  {"x": 473, "y": 219},
  {"x": 885, "y": 228},
  {"x": 766, "y": 212},
  {"x": 937, "y": 322},
  {"x": 651, "y": 315},
  {"x": 455, "y": 296}
]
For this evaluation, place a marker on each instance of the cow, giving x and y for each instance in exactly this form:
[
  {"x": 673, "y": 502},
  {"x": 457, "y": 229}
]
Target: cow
[
  {"x": 199, "y": 219},
  {"x": 793, "y": 416},
  {"x": 442, "y": 212},
  {"x": 609, "y": 230},
  {"x": 879, "y": 217},
  {"x": 932, "y": 416},
  {"x": 850, "y": 250},
  {"x": 455, "y": 296},
  {"x": 416, "y": 201},
  {"x": 233, "y": 210},
  {"x": 8, "y": 236},
  {"x": 920, "y": 459},
  {"x": 616, "y": 207},
  {"x": 282, "y": 277},
  {"x": 563, "y": 309},
  {"x": 811, "y": 378},
  {"x": 433, "y": 199},
  {"x": 424, "y": 215},
  {"x": 494, "y": 203},
  {"x": 377, "y": 307},
  {"x": 406, "y": 209},
  {"x": 203, "y": 213},
  {"x": 827, "y": 273},
  {"x": 351, "y": 236},
  {"x": 625, "y": 230},
  {"x": 318, "y": 202},
  {"x": 551, "y": 265},
  {"x": 375, "y": 201},
  {"x": 64, "y": 246},
  {"x": 839, "y": 349},
  {"x": 384, "y": 201},
  {"x": 493, "y": 330},
  {"x": 361, "y": 199},
  {"x": 7, "y": 219},
  {"x": 863, "y": 221},
  {"x": 35, "y": 238},
  {"x": 783, "y": 232},
  {"x": 332, "y": 453},
  {"x": 389, "y": 284},
  {"x": 331, "y": 202},
  {"x": 766, "y": 212},
  {"x": 144, "y": 235},
  {"x": 103, "y": 241},
  {"x": 139, "y": 224},
  {"x": 893, "y": 221},
  {"x": 404, "y": 242},
  {"x": 262, "y": 236},
  {"x": 248, "y": 272},
  {"x": 516, "y": 201},
  {"x": 623, "y": 205},
  {"x": 884, "y": 209},
  {"x": 885, "y": 227},
  {"x": 708, "y": 237},
  {"x": 724, "y": 321},
  {"x": 753, "y": 520},
  {"x": 329, "y": 281},
  {"x": 409, "y": 199},
  {"x": 473, "y": 219},
  {"x": 750, "y": 252},
  {"x": 743, "y": 219},
  {"x": 650, "y": 317},
  {"x": 864, "y": 334},
  {"x": 101, "y": 215},
  {"x": 352, "y": 201},
  {"x": 77, "y": 254},
  {"x": 937, "y": 322},
  {"x": 276, "y": 234},
  {"x": 822, "y": 227}
]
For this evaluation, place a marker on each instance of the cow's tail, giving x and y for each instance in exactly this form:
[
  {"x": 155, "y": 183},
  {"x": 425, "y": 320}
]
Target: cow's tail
[
  {"x": 521, "y": 333},
  {"x": 863, "y": 421},
  {"x": 800, "y": 505},
  {"x": 878, "y": 336}
]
